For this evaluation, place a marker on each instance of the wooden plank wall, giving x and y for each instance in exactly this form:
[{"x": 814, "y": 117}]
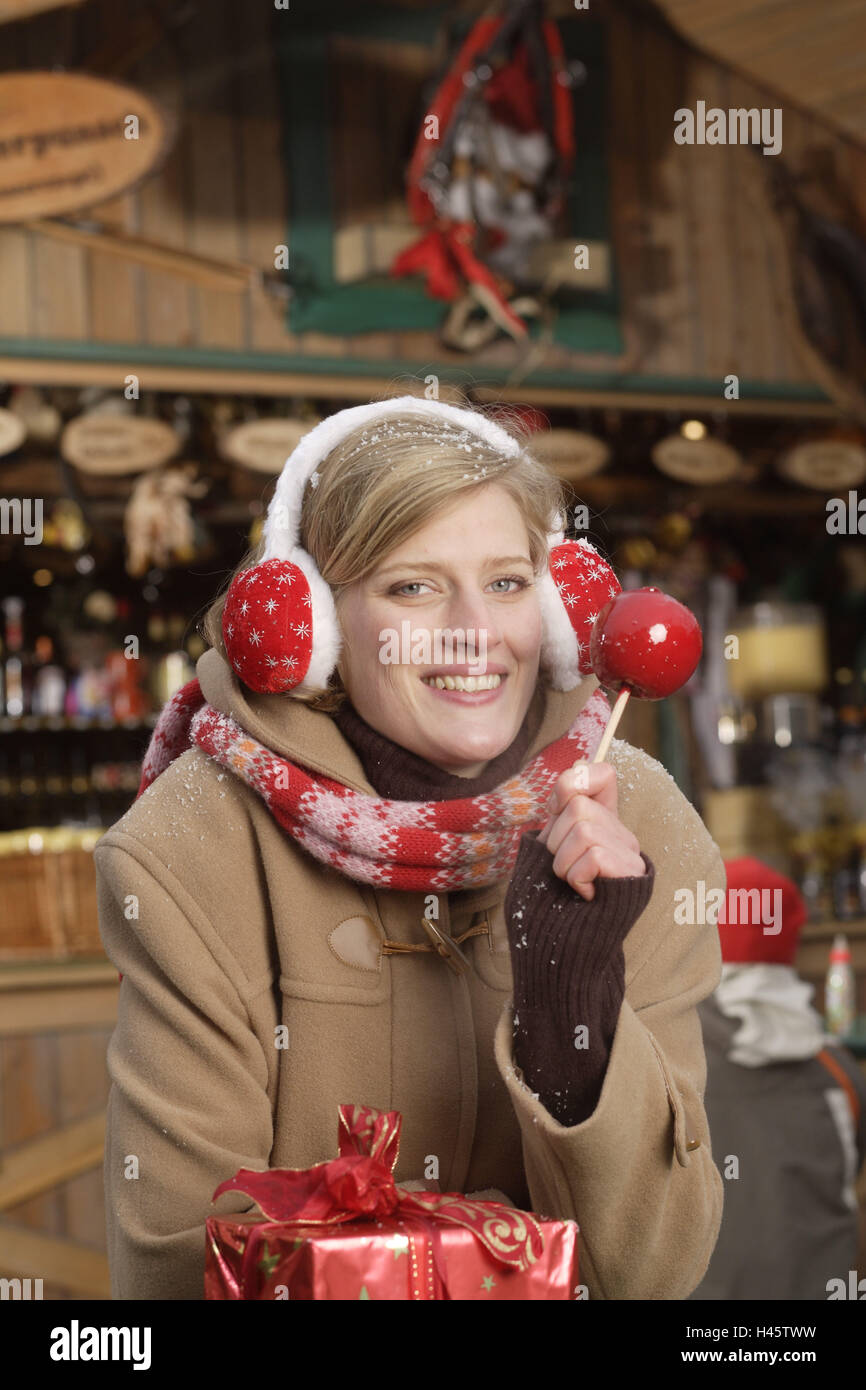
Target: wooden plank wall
[
  {"x": 802, "y": 42},
  {"x": 47, "y": 1080},
  {"x": 700, "y": 290}
]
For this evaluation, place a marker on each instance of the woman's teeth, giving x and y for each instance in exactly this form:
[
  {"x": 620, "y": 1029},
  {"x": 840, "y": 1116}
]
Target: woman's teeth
[{"x": 468, "y": 683}]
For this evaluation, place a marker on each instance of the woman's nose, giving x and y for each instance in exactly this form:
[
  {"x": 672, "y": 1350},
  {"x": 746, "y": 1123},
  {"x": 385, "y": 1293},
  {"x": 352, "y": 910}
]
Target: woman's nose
[{"x": 473, "y": 614}]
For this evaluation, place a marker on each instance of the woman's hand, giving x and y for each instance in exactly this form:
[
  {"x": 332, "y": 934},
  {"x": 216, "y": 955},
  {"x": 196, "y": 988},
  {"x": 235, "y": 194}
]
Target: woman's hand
[{"x": 584, "y": 833}]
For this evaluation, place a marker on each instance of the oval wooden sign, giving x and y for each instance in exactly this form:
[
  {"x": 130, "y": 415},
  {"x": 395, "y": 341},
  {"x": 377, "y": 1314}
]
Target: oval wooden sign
[
  {"x": 824, "y": 464},
  {"x": 698, "y": 461},
  {"x": 572, "y": 453},
  {"x": 68, "y": 141},
  {"x": 113, "y": 444},
  {"x": 264, "y": 445}
]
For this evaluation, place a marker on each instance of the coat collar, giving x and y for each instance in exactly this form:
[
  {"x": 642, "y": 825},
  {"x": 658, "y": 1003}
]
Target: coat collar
[{"x": 310, "y": 737}]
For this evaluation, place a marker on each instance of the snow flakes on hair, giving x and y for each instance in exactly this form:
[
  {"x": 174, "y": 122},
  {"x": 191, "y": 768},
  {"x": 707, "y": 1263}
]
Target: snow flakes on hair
[{"x": 451, "y": 441}]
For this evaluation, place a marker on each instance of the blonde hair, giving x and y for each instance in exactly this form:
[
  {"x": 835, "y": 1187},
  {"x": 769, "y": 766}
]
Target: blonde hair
[{"x": 378, "y": 486}]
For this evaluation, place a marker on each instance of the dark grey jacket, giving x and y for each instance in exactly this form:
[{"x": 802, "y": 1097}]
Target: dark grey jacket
[{"x": 786, "y": 1228}]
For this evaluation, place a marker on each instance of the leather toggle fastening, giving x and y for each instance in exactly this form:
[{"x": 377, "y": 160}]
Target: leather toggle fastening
[{"x": 448, "y": 947}]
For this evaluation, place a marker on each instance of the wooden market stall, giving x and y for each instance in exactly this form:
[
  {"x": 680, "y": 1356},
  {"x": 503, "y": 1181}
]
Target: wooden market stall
[{"x": 244, "y": 274}]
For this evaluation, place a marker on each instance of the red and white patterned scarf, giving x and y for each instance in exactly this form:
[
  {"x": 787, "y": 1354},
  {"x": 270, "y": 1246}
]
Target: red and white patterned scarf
[{"x": 410, "y": 845}]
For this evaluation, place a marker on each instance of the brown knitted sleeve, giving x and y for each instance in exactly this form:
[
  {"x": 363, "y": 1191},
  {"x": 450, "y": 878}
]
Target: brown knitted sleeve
[{"x": 569, "y": 976}]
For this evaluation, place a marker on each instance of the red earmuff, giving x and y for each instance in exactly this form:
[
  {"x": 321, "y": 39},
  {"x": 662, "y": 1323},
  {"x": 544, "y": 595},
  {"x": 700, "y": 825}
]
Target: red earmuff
[
  {"x": 586, "y": 583},
  {"x": 267, "y": 626}
]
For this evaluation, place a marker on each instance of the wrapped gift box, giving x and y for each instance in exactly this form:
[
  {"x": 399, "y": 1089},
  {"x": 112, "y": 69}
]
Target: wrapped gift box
[{"x": 345, "y": 1230}]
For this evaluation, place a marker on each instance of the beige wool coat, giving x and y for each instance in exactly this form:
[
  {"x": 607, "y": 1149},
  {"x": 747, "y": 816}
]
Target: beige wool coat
[{"x": 224, "y": 929}]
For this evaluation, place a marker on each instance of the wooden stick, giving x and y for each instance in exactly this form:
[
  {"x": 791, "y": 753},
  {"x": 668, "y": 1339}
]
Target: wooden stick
[
  {"x": 202, "y": 270},
  {"x": 621, "y": 701}
]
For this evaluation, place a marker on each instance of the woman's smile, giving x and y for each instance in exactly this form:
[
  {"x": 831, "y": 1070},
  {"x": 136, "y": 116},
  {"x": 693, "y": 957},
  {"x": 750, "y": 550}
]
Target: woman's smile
[{"x": 466, "y": 690}]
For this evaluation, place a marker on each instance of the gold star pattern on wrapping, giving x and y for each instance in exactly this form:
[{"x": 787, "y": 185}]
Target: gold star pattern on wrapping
[
  {"x": 487, "y": 1283},
  {"x": 399, "y": 1244},
  {"x": 268, "y": 1263},
  {"x": 363, "y": 1294}
]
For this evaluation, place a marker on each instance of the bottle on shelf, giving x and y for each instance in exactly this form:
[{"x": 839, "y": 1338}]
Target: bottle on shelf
[
  {"x": 15, "y": 692},
  {"x": 49, "y": 681},
  {"x": 839, "y": 990}
]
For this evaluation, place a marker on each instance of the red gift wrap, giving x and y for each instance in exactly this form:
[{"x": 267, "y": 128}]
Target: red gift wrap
[{"x": 346, "y": 1230}]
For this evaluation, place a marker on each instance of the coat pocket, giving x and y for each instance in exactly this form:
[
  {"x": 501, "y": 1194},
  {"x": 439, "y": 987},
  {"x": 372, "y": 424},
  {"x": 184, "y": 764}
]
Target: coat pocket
[{"x": 684, "y": 1140}]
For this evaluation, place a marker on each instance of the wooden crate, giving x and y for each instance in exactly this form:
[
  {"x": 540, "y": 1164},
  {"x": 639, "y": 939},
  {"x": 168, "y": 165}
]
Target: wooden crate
[
  {"x": 55, "y": 1024},
  {"x": 743, "y": 821},
  {"x": 48, "y": 891}
]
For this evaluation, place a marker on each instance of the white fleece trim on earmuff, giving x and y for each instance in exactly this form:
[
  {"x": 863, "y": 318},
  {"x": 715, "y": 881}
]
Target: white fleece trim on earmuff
[
  {"x": 327, "y": 639},
  {"x": 559, "y": 650},
  {"x": 282, "y": 529}
]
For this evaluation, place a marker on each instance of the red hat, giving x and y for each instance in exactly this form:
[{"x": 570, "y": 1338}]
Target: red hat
[{"x": 761, "y": 917}]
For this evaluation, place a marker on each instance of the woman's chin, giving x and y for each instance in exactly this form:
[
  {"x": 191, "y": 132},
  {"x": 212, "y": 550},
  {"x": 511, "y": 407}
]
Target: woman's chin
[
  {"x": 453, "y": 734},
  {"x": 455, "y": 755}
]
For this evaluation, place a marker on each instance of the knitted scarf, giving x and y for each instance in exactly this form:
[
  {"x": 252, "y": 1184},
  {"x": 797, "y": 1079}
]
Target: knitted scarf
[{"x": 409, "y": 845}]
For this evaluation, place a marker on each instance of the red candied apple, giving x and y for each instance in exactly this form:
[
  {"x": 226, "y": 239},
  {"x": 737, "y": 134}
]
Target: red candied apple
[{"x": 646, "y": 642}]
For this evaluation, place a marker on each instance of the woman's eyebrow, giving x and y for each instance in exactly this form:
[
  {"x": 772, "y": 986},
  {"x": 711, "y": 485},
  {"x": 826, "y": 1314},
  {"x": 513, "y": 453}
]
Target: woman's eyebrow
[{"x": 433, "y": 565}]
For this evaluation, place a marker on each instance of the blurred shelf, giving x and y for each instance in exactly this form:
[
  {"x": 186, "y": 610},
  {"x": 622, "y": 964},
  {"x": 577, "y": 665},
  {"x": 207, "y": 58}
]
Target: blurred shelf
[
  {"x": 610, "y": 489},
  {"x": 45, "y": 974},
  {"x": 826, "y": 930},
  {"x": 50, "y": 839},
  {"x": 52, "y": 995},
  {"x": 32, "y": 723}
]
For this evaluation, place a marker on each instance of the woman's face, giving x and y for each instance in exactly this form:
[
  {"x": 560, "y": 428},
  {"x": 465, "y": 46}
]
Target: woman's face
[{"x": 468, "y": 568}]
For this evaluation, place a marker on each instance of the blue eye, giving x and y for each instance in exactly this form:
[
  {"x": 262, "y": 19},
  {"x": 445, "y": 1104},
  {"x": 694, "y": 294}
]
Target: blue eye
[{"x": 516, "y": 579}]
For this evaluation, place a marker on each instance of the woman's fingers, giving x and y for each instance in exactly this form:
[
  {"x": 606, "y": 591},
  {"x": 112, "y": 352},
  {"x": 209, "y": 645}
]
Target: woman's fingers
[
  {"x": 596, "y": 780},
  {"x": 597, "y": 861},
  {"x": 583, "y": 816},
  {"x": 584, "y": 833}
]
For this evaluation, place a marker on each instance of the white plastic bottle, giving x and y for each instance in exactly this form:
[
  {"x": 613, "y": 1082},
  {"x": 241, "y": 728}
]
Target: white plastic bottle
[{"x": 840, "y": 989}]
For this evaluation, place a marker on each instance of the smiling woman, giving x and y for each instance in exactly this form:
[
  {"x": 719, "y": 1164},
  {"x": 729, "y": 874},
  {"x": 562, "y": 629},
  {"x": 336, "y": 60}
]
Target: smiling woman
[
  {"x": 318, "y": 798},
  {"x": 379, "y": 486}
]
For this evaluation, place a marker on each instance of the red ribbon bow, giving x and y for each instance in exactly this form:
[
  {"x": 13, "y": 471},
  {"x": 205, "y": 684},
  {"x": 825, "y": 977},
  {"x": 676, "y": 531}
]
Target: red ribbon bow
[{"x": 360, "y": 1186}]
